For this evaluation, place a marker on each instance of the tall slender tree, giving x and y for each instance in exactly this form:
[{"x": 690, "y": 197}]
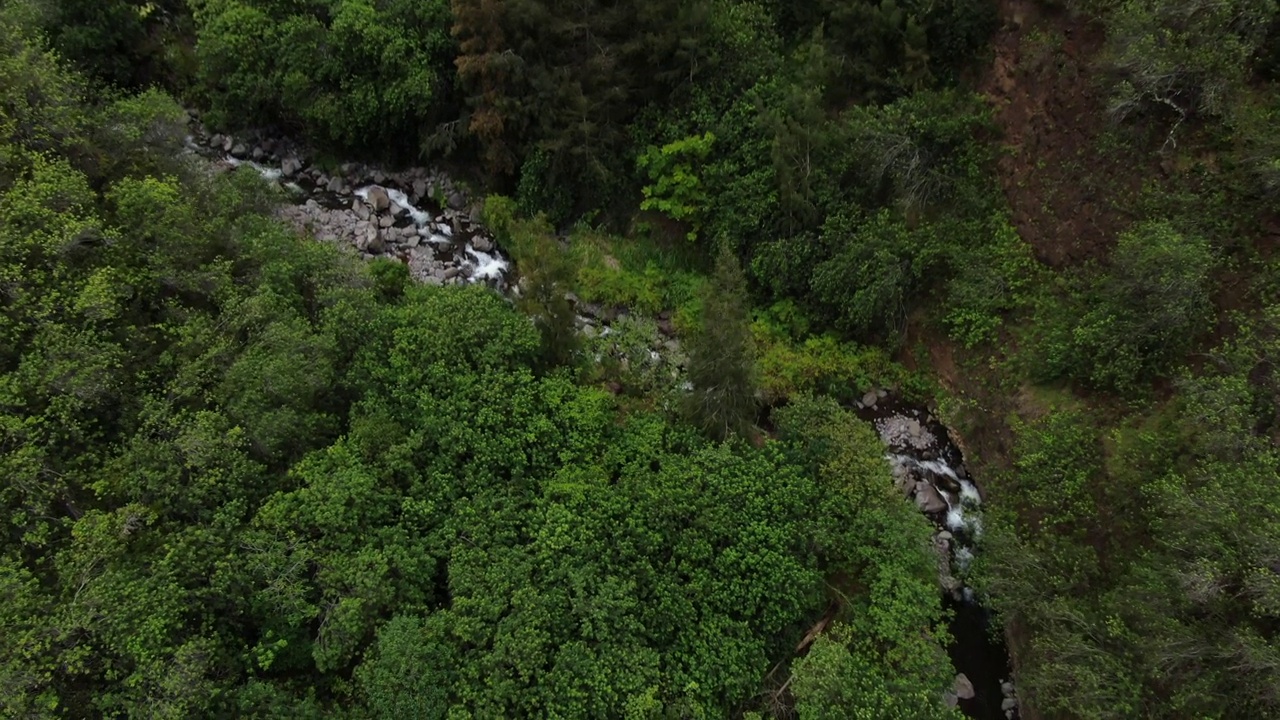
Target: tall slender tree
[{"x": 722, "y": 355}]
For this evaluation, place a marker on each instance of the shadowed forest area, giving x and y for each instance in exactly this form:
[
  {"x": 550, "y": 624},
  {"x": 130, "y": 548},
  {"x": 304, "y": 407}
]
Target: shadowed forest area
[{"x": 392, "y": 359}]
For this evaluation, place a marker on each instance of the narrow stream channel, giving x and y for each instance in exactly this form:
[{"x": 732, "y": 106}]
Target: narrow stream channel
[{"x": 929, "y": 468}]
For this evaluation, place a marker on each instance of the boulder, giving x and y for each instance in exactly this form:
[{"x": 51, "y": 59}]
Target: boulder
[
  {"x": 1006, "y": 688},
  {"x": 228, "y": 142},
  {"x": 949, "y": 699},
  {"x": 1009, "y": 704},
  {"x": 258, "y": 153},
  {"x": 361, "y": 210},
  {"x": 456, "y": 201},
  {"x": 379, "y": 199},
  {"x": 963, "y": 688},
  {"x": 239, "y": 150},
  {"x": 290, "y": 167},
  {"x": 386, "y": 221},
  {"x": 373, "y": 242},
  {"x": 929, "y": 499},
  {"x": 482, "y": 243},
  {"x": 336, "y": 184},
  {"x": 419, "y": 190},
  {"x": 869, "y": 399}
]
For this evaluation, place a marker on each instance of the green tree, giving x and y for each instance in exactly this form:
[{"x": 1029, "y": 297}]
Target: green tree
[
  {"x": 350, "y": 73},
  {"x": 676, "y": 187},
  {"x": 1142, "y": 316},
  {"x": 722, "y": 355}
]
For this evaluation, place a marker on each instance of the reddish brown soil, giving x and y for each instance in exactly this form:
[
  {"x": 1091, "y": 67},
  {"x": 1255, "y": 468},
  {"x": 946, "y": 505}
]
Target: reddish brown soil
[{"x": 1070, "y": 191}]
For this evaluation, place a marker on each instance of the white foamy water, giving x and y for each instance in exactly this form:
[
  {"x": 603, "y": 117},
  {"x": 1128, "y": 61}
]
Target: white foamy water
[
  {"x": 269, "y": 174},
  {"x": 420, "y": 217},
  {"x": 486, "y": 266}
]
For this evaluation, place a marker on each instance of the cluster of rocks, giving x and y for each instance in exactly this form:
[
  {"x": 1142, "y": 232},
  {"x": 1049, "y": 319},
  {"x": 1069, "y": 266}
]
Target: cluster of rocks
[
  {"x": 1009, "y": 705},
  {"x": 374, "y": 211},
  {"x": 961, "y": 689},
  {"x": 657, "y": 351},
  {"x": 905, "y": 432}
]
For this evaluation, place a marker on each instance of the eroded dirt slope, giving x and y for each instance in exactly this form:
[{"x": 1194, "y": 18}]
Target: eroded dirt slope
[{"x": 1070, "y": 178}]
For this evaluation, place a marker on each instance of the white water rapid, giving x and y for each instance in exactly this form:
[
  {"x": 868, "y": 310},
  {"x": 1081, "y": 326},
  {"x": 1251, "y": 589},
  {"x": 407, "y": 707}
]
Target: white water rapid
[{"x": 929, "y": 469}]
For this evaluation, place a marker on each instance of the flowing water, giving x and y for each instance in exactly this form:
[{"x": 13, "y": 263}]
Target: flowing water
[
  {"x": 490, "y": 267},
  {"x": 928, "y": 466}
]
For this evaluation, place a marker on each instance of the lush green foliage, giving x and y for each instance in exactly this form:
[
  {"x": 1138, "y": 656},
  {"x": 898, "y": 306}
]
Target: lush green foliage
[
  {"x": 722, "y": 373},
  {"x": 249, "y": 475},
  {"x": 349, "y": 73},
  {"x": 1137, "y": 319},
  {"x": 676, "y": 189}
]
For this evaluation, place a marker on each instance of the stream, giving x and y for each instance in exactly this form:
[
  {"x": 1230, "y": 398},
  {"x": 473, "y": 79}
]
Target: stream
[
  {"x": 419, "y": 217},
  {"x": 929, "y": 469},
  {"x": 381, "y": 214}
]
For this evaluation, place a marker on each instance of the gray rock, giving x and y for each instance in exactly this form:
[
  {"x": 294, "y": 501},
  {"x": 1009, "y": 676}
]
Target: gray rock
[
  {"x": 1009, "y": 704},
  {"x": 379, "y": 177},
  {"x": 258, "y": 153},
  {"x": 362, "y": 211},
  {"x": 456, "y": 200},
  {"x": 949, "y": 699},
  {"x": 373, "y": 242},
  {"x": 239, "y": 150},
  {"x": 379, "y": 198},
  {"x": 869, "y": 399},
  {"x": 419, "y": 190},
  {"x": 290, "y": 166},
  {"x": 963, "y": 688},
  {"x": 900, "y": 431},
  {"x": 386, "y": 221},
  {"x": 228, "y": 142},
  {"x": 399, "y": 211},
  {"x": 482, "y": 243},
  {"x": 452, "y": 272},
  {"x": 929, "y": 499},
  {"x": 1006, "y": 688},
  {"x": 882, "y": 393}
]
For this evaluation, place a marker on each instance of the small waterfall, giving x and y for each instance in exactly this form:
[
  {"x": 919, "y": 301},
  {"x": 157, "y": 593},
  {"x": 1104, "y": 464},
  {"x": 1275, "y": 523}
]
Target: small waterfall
[{"x": 929, "y": 468}]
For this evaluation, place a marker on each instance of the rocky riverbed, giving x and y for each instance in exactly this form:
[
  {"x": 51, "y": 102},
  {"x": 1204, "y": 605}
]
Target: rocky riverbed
[
  {"x": 418, "y": 216},
  {"x": 929, "y": 470}
]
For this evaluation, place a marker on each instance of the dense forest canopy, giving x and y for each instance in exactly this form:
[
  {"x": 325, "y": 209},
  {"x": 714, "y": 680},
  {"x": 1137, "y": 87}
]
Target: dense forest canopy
[{"x": 244, "y": 473}]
